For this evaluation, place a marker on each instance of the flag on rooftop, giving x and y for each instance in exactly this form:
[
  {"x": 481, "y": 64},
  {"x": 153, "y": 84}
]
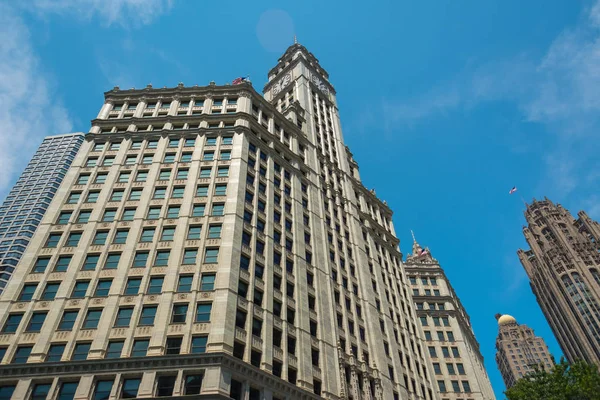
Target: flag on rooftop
[
  {"x": 511, "y": 191},
  {"x": 239, "y": 80}
]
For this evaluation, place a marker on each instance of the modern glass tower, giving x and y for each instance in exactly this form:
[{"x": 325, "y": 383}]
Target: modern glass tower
[
  {"x": 215, "y": 241},
  {"x": 28, "y": 200},
  {"x": 563, "y": 266},
  {"x": 519, "y": 351},
  {"x": 451, "y": 344}
]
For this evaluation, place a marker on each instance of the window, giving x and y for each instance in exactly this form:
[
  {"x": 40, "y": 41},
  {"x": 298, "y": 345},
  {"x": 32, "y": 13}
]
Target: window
[
  {"x": 147, "y": 159},
  {"x": 153, "y": 144},
  {"x": 168, "y": 234},
  {"x": 103, "y": 389},
  {"x": 128, "y": 214},
  {"x": 211, "y": 256},
  {"x": 147, "y": 234},
  {"x": 432, "y": 351},
  {"x": 193, "y": 384},
  {"x": 41, "y": 264},
  {"x": 55, "y": 353},
  {"x": 159, "y": 193},
  {"x": 140, "y": 348},
  {"x": 173, "y": 345},
  {"x": 100, "y": 238},
  {"x": 165, "y": 385},
  {"x": 199, "y": 344},
  {"x": 140, "y": 260},
  {"x": 162, "y": 258},
  {"x": 12, "y": 323},
  {"x": 81, "y": 351},
  {"x": 148, "y": 314},
  {"x": 451, "y": 370},
  {"x": 165, "y": 174},
  {"x": 135, "y": 194},
  {"x": 202, "y": 191},
  {"x": 455, "y": 352},
  {"x": 68, "y": 320},
  {"x": 445, "y": 321},
  {"x": 186, "y": 157},
  {"x": 91, "y": 261},
  {"x": 108, "y": 161},
  {"x": 64, "y": 217},
  {"x": 169, "y": 158},
  {"x": 121, "y": 236},
  {"x": 27, "y": 291},
  {"x": 153, "y": 213},
  {"x": 445, "y": 352},
  {"x": 214, "y": 231},
  {"x": 91, "y": 162},
  {"x": 155, "y": 285},
  {"x": 109, "y": 215},
  {"x": 185, "y": 283},
  {"x": 205, "y": 172},
  {"x": 112, "y": 261},
  {"x": 80, "y": 289},
  {"x": 191, "y": 142},
  {"x": 124, "y": 317},
  {"x": 442, "y": 386},
  {"x": 114, "y": 349},
  {"x": 203, "y": 312},
  {"x": 223, "y": 172},
  {"x": 92, "y": 319},
  {"x": 218, "y": 209},
  {"x": 207, "y": 282},
  {"x": 22, "y": 354},
  {"x": 178, "y": 192},
  {"x": 179, "y": 313},
  {"x": 141, "y": 176},
  {"x": 436, "y": 369},
  {"x": 50, "y": 291},
  {"x": 74, "y": 197},
  {"x": 220, "y": 190},
  {"x": 130, "y": 160},
  {"x": 130, "y": 388},
  {"x": 83, "y": 179},
  {"x": 455, "y": 387},
  {"x": 84, "y": 216},
  {"x": 198, "y": 210},
  {"x": 6, "y": 391},
  {"x": 194, "y": 232},
  {"x": 124, "y": 177},
  {"x": 133, "y": 286},
  {"x": 466, "y": 386},
  {"x": 461, "y": 369},
  {"x": 208, "y": 156},
  {"x": 117, "y": 195}
]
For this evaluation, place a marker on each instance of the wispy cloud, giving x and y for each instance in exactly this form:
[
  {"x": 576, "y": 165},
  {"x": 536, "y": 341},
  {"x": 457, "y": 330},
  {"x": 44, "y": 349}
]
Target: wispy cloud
[
  {"x": 28, "y": 106},
  {"x": 123, "y": 12}
]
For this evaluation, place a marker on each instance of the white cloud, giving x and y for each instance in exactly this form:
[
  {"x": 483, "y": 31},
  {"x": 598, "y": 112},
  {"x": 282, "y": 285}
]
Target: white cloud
[
  {"x": 28, "y": 106},
  {"x": 123, "y": 12}
]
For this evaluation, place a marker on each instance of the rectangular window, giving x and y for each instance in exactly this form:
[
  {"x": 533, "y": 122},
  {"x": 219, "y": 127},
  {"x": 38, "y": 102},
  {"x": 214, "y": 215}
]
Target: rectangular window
[
  {"x": 27, "y": 291},
  {"x": 218, "y": 209},
  {"x": 124, "y": 177},
  {"x": 185, "y": 283},
  {"x": 117, "y": 195},
  {"x": 173, "y": 212},
  {"x": 202, "y": 191},
  {"x": 193, "y": 384},
  {"x": 80, "y": 289},
  {"x": 165, "y": 174},
  {"x": 109, "y": 215},
  {"x": 223, "y": 172},
  {"x": 147, "y": 234},
  {"x": 62, "y": 263},
  {"x": 141, "y": 176},
  {"x": 124, "y": 317},
  {"x": 179, "y": 313},
  {"x": 112, "y": 261},
  {"x": 199, "y": 344},
  {"x": 203, "y": 312},
  {"x": 140, "y": 259},
  {"x": 121, "y": 236},
  {"x": 186, "y": 157},
  {"x": 148, "y": 314},
  {"x": 41, "y": 264},
  {"x": 214, "y": 231},
  {"x": 92, "y": 319},
  {"x": 442, "y": 386},
  {"x": 225, "y": 155},
  {"x": 155, "y": 286},
  {"x": 191, "y": 142},
  {"x": 12, "y": 323},
  {"x": 84, "y": 216},
  {"x": 50, "y": 291},
  {"x": 455, "y": 387},
  {"x": 162, "y": 258},
  {"x": 22, "y": 354},
  {"x": 83, "y": 179},
  {"x": 211, "y": 256},
  {"x": 205, "y": 172},
  {"x": 68, "y": 320},
  {"x": 208, "y": 156},
  {"x": 133, "y": 286},
  {"x": 55, "y": 353},
  {"x": 140, "y": 347},
  {"x": 198, "y": 210},
  {"x": 194, "y": 232},
  {"x": 91, "y": 261},
  {"x": 147, "y": 159},
  {"x": 178, "y": 192},
  {"x": 182, "y": 174},
  {"x": 159, "y": 193},
  {"x": 128, "y": 214},
  {"x": 115, "y": 348},
  {"x": 100, "y": 238},
  {"x": 220, "y": 190},
  {"x": 207, "y": 282},
  {"x": 135, "y": 194},
  {"x": 64, "y": 217},
  {"x": 168, "y": 234},
  {"x": 153, "y": 212},
  {"x": 173, "y": 345},
  {"x": 74, "y": 197},
  {"x": 130, "y": 388},
  {"x": 103, "y": 288},
  {"x": 103, "y": 389},
  {"x": 169, "y": 158}
]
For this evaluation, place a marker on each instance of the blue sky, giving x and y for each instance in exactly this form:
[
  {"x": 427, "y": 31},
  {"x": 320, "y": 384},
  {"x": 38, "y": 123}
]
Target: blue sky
[{"x": 445, "y": 104}]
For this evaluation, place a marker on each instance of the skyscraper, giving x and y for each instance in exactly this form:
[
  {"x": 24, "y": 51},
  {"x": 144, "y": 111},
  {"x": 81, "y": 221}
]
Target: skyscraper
[
  {"x": 451, "y": 344},
  {"x": 221, "y": 243},
  {"x": 562, "y": 266},
  {"x": 519, "y": 351},
  {"x": 26, "y": 203}
]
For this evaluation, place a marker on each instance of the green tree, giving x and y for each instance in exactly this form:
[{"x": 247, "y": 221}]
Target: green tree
[{"x": 577, "y": 381}]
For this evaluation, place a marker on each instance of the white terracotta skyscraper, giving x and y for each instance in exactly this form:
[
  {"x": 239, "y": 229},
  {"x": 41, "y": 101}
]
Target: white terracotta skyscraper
[{"x": 212, "y": 240}]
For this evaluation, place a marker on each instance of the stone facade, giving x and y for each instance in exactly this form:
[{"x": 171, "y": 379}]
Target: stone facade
[
  {"x": 457, "y": 363},
  {"x": 223, "y": 246},
  {"x": 519, "y": 351},
  {"x": 563, "y": 266},
  {"x": 28, "y": 200}
]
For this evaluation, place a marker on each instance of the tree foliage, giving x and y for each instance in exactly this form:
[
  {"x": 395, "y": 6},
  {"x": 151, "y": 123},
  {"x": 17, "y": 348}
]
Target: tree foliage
[{"x": 577, "y": 381}]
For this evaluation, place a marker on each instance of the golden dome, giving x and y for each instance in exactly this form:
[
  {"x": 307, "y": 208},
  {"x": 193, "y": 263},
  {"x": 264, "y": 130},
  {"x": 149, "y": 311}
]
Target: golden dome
[{"x": 506, "y": 320}]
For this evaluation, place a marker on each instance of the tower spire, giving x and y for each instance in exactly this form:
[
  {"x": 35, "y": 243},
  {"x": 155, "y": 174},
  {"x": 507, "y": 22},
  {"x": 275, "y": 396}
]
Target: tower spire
[
  {"x": 295, "y": 40},
  {"x": 413, "y": 236}
]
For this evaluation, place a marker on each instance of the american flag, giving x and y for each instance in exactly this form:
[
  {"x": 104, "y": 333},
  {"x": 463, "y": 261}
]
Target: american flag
[
  {"x": 423, "y": 252},
  {"x": 511, "y": 191},
  {"x": 239, "y": 80}
]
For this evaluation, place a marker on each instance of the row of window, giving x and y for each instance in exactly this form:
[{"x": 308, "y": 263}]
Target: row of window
[
  {"x": 169, "y": 158},
  {"x": 92, "y": 317},
  {"x": 441, "y": 336},
  {"x": 456, "y": 387},
  {"x": 424, "y": 280},
  {"x": 445, "y": 352},
  {"x": 453, "y": 369},
  {"x": 153, "y": 143}
]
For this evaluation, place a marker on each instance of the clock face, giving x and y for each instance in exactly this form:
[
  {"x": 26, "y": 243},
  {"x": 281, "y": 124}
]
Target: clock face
[
  {"x": 276, "y": 88},
  {"x": 286, "y": 80},
  {"x": 319, "y": 84}
]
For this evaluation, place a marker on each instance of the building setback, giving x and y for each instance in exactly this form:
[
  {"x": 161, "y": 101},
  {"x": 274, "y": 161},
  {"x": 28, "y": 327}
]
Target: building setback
[
  {"x": 222, "y": 244},
  {"x": 519, "y": 351},
  {"x": 563, "y": 266},
  {"x": 28, "y": 200},
  {"x": 457, "y": 362}
]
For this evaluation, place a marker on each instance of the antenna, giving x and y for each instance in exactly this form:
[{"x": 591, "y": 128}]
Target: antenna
[
  {"x": 413, "y": 236},
  {"x": 295, "y": 40}
]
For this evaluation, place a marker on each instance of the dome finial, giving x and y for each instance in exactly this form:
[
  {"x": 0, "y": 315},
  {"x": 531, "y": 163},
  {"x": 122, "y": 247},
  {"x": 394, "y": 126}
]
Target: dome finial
[{"x": 295, "y": 40}]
